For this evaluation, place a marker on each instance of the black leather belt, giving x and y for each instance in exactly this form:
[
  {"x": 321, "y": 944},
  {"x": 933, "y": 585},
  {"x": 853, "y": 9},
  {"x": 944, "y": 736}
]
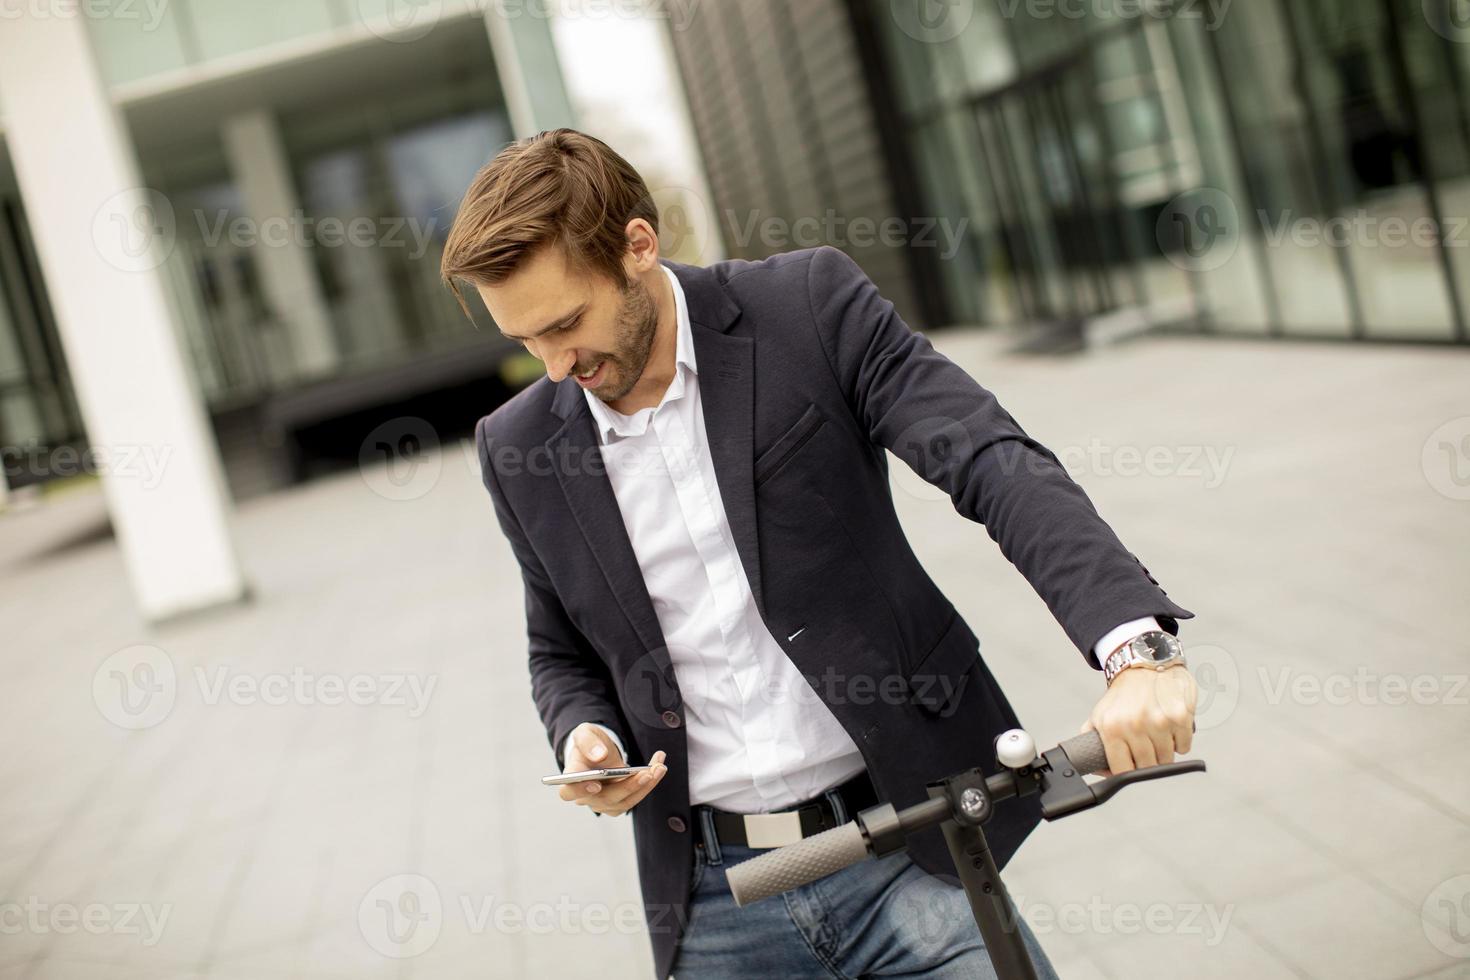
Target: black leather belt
[{"x": 830, "y": 809}]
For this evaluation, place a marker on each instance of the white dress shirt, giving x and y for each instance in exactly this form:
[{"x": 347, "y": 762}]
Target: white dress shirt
[{"x": 759, "y": 738}]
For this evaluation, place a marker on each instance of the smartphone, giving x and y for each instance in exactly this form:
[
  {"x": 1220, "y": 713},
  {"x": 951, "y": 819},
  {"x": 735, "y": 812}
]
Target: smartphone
[{"x": 617, "y": 772}]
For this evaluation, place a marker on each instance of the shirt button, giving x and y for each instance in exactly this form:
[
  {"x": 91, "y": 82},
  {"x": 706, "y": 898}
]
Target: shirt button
[
  {"x": 676, "y": 824},
  {"x": 672, "y": 719}
]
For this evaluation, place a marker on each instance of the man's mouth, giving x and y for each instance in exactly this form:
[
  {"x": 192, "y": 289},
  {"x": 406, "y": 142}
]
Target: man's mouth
[{"x": 592, "y": 378}]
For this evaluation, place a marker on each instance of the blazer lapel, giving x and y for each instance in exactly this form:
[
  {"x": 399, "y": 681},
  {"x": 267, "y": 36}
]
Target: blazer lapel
[
  {"x": 726, "y": 367},
  {"x": 727, "y": 393},
  {"x": 577, "y": 460}
]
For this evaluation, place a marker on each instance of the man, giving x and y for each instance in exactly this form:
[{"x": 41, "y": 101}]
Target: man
[{"x": 717, "y": 583}]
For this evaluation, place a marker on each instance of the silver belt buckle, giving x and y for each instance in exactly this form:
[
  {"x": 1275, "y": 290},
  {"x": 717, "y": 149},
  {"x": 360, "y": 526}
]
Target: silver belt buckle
[{"x": 772, "y": 829}]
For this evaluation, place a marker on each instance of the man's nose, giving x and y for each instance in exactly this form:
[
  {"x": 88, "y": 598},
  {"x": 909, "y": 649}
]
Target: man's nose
[{"x": 559, "y": 363}]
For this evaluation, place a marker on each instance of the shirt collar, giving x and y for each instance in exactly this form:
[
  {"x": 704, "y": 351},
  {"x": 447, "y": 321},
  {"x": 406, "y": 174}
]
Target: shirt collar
[{"x": 612, "y": 423}]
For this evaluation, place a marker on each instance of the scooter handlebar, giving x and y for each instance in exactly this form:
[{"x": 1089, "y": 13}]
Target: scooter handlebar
[
  {"x": 832, "y": 850},
  {"x": 1086, "y": 752},
  {"x": 797, "y": 864}
]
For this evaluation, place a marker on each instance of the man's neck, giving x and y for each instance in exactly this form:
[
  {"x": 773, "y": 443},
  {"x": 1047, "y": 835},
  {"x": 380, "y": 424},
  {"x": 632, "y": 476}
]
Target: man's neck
[{"x": 658, "y": 374}]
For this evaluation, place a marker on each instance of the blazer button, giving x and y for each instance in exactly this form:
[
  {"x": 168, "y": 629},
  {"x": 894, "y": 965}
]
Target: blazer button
[
  {"x": 672, "y": 719},
  {"x": 676, "y": 824}
]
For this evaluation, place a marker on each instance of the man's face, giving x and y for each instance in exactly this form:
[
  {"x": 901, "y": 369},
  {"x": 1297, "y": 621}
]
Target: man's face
[{"x": 577, "y": 322}]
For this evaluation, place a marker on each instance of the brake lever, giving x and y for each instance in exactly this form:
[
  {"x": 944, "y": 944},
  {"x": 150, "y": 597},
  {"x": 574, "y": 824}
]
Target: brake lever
[{"x": 1065, "y": 792}]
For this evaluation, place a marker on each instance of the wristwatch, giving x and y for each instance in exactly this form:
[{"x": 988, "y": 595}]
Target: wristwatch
[{"x": 1155, "y": 649}]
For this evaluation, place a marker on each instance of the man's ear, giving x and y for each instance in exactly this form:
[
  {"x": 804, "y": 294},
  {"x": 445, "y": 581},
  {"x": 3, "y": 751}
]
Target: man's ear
[{"x": 642, "y": 252}]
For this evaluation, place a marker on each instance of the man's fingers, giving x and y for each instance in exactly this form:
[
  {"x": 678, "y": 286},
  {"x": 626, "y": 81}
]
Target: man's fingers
[
  {"x": 616, "y": 796},
  {"x": 1120, "y": 757},
  {"x": 633, "y": 790},
  {"x": 625, "y": 787},
  {"x": 618, "y": 793},
  {"x": 1183, "y": 739},
  {"x": 584, "y": 795},
  {"x": 575, "y": 792},
  {"x": 580, "y": 792},
  {"x": 647, "y": 781},
  {"x": 636, "y": 797},
  {"x": 1141, "y": 746},
  {"x": 630, "y": 798},
  {"x": 592, "y": 744},
  {"x": 1163, "y": 745},
  {"x": 1180, "y": 709}
]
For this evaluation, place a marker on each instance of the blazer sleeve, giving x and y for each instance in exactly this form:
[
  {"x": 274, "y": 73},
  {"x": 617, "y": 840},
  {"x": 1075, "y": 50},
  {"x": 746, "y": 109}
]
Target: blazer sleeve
[
  {"x": 924, "y": 408},
  {"x": 570, "y": 683}
]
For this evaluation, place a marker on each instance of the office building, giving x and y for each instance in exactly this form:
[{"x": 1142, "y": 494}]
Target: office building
[{"x": 1295, "y": 168}]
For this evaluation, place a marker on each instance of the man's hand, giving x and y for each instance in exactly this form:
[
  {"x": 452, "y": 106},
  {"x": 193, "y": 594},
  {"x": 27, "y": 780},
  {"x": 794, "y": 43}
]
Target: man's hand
[
  {"x": 592, "y": 749},
  {"x": 1146, "y": 716}
]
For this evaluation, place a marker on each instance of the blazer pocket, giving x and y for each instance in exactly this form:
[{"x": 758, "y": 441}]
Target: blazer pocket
[
  {"x": 788, "y": 443},
  {"x": 938, "y": 682}
]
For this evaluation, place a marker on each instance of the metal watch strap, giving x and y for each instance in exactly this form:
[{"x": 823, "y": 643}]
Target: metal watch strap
[{"x": 1110, "y": 673}]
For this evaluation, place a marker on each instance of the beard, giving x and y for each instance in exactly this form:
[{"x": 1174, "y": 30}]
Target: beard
[{"x": 637, "y": 323}]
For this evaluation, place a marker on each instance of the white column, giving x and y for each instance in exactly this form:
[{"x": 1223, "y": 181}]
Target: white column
[
  {"x": 101, "y": 238},
  {"x": 528, "y": 68},
  {"x": 260, "y": 170}
]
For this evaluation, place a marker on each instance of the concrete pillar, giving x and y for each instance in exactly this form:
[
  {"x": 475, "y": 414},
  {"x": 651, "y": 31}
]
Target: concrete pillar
[
  {"x": 529, "y": 71},
  {"x": 101, "y": 238},
  {"x": 262, "y": 173}
]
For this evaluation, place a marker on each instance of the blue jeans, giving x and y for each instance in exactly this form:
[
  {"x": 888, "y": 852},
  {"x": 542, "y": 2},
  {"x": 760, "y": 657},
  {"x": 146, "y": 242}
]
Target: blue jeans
[{"x": 879, "y": 918}]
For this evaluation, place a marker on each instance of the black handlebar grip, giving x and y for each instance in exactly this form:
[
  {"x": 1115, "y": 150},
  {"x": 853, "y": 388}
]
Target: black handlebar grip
[
  {"x": 797, "y": 864},
  {"x": 1086, "y": 752}
]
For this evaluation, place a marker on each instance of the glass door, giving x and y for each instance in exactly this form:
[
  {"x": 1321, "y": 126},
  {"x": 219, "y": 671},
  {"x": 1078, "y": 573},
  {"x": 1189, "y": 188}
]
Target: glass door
[{"x": 1048, "y": 159}]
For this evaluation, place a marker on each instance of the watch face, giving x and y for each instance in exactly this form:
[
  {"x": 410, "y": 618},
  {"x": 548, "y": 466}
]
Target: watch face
[{"x": 1154, "y": 648}]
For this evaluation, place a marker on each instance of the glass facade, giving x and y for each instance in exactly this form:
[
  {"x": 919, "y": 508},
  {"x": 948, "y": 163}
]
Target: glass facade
[
  {"x": 1295, "y": 168},
  {"x": 142, "y": 40},
  {"x": 378, "y": 177},
  {"x": 377, "y": 140},
  {"x": 375, "y": 207},
  {"x": 37, "y": 407}
]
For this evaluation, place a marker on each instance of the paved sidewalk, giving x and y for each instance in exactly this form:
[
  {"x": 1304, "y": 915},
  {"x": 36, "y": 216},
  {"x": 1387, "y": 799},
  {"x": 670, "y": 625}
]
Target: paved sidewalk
[{"x": 1290, "y": 494}]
